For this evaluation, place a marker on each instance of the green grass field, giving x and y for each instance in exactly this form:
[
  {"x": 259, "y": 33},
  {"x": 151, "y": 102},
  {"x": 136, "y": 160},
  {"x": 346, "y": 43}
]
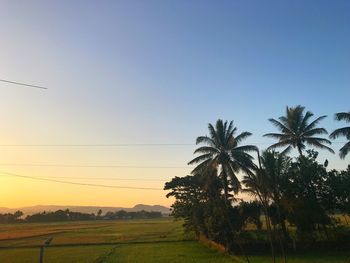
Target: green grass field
[{"x": 160, "y": 240}]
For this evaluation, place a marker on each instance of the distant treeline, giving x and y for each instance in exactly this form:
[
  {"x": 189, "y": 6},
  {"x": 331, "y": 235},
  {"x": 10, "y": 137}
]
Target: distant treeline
[
  {"x": 11, "y": 218},
  {"x": 67, "y": 215},
  {"x": 122, "y": 214}
]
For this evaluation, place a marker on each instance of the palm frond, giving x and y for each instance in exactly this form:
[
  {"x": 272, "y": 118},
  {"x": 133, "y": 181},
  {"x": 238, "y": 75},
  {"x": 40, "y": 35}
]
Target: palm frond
[
  {"x": 229, "y": 134},
  {"x": 229, "y": 172},
  {"x": 320, "y": 140},
  {"x": 246, "y": 148},
  {"x": 213, "y": 135},
  {"x": 230, "y": 128},
  {"x": 200, "y": 158},
  {"x": 206, "y": 140},
  {"x": 276, "y": 135},
  {"x": 340, "y": 132},
  {"x": 239, "y": 138},
  {"x": 287, "y": 150},
  {"x": 202, "y": 167},
  {"x": 207, "y": 149},
  {"x": 280, "y": 144},
  {"x": 316, "y": 143},
  {"x": 344, "y": 150},
  {"x": 283, "y": 128},
  {"x": 343, "y": 116},
  {"x": 314, "y": 123},
  {"x": 305, "y": 120},
  {"x": 220, "y": 130},
  {"x": 315, "y": 131}
]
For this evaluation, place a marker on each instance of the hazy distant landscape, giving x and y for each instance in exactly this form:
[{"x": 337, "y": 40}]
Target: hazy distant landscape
[{"x": 85, "y": 209}]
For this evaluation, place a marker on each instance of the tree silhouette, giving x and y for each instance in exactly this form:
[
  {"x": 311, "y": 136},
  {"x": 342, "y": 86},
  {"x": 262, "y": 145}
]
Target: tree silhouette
[
  {"x": 256, "y": 184},
  {"x": 99, "y": 213},
  {"x": 345, "y": 131},
  {"x": 221, "y": 151},
  {"x": 296, "y": 131}
]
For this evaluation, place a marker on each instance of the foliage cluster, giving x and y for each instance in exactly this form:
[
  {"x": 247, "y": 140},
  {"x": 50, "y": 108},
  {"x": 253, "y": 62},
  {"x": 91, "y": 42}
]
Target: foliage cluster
[
  {"x": 297, "y": 191},
  {"x": 67, "y": 215},
  {"x": 122, "y": 214},
  {"x": 11, "y": 218}
]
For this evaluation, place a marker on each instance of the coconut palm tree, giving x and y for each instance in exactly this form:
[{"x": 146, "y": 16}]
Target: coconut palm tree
[
  {"x": 222, "y": 151},
  {"x": 296, "y": 131},
  {"x": 275, "y": 166},
  {"x": 345, "y": 131}
]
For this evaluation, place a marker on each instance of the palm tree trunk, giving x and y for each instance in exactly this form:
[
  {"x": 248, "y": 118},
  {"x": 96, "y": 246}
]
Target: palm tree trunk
[
  {"x": 226, "y": 193},
  {"x": 281, "y": 245},
  {"x": 269, "y": 230},
  {"x": 232, "y": 231},
  {"x": 225, "y": 186},
  {"x": 282, "y": 224},
  {"x": 284, "y": 230},
  {"x": 267, "y": 220},
  {"x": 300, "y": 152},
  {"x": 268, "y": 226}
]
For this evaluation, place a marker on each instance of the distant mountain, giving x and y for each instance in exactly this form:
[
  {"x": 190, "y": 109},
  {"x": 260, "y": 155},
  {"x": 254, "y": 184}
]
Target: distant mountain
[
  {"x": 29, "y": 210},
  {"x": 156, "y": 208}
]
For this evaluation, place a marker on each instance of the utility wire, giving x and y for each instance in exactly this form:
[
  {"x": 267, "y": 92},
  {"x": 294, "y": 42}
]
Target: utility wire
[
  {"x": 76, "y": 183},
  {"x": 98, "y": 145},
  {"x": 22, "y": 84},
  {"x": 103, "y": 178},
  {"x": 93, "y": 166},
  {"x": 121, "y": 144}
]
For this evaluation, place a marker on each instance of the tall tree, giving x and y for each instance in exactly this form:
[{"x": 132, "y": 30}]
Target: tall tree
[
  {"x": 257, "y": 185},
  {"x": 296, "y": 131},
  {"x": 275, "y": 166},
  {"x": 222, "y": 151},
  {"x": 308, "y": 196},
  {"x": 345, "y": 131}
]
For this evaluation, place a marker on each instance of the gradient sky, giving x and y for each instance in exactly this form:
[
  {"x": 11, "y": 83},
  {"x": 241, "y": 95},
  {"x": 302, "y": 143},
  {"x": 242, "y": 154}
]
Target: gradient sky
[{"x": 156, "y": 72}]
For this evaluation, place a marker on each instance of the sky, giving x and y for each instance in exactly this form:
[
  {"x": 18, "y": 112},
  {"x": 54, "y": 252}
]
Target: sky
[{"x": 155, "y": 72}]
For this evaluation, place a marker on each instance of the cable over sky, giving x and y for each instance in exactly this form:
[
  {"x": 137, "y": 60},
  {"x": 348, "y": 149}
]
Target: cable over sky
[
  {"x": 22, "y": 84},
  {"x": 127, "y": 144},
  {"x": 77, "y": 183},
  {"x": 91, "y": 166}
]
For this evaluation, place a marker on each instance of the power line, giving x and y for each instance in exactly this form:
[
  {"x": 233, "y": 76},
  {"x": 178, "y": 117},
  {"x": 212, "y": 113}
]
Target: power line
[
  {"x": 104, "y": 178},
  {"x": 22, "y": 84},
  {"x": 92, "y": 166},
  {"x": 98, "y": 145},
  {"x": 122, "y": 144},
  {"x": 76, "y": 183}
]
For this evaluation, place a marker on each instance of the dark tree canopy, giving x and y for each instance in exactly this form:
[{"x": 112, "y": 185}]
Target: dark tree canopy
[
  {"x": 342, "y": 132},
  {"x": 296, "y": 131},
  {"x": 221, "y": 150}
]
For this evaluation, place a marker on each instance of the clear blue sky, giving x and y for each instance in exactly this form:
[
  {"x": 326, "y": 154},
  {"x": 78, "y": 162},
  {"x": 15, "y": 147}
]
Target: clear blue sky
[{"x": 159, "y": 71}]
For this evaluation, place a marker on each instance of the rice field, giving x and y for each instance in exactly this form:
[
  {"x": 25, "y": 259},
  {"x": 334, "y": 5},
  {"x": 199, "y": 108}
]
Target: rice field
[{"x": 160, "y": 240}]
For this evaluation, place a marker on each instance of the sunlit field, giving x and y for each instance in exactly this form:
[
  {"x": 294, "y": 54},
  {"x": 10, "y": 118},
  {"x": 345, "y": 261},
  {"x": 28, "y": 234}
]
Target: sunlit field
[{"x": 157, "y": 240}]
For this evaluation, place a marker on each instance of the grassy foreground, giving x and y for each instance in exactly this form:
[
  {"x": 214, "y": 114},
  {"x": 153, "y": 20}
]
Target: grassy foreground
[{"x": 160, "y": 240}]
